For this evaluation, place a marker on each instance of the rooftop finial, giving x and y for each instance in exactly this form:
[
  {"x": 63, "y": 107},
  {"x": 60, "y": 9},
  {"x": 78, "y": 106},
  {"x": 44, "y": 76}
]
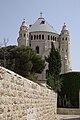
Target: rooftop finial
[
  {"x": 41, "y": 14},
  {"x": 24, "y": 19},
  {"x": 64, "y": 24}
]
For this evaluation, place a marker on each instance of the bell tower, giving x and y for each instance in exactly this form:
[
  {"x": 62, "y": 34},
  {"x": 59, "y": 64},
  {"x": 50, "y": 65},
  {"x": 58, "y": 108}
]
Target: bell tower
[
  {"x": 23, "y": 38},
  {"x": 65, "y": 50}
]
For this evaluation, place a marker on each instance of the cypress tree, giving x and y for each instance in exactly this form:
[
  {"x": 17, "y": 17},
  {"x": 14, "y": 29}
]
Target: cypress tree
[
  {"x": 54, "y": 66},
  {"x": 54, "y": 61}
]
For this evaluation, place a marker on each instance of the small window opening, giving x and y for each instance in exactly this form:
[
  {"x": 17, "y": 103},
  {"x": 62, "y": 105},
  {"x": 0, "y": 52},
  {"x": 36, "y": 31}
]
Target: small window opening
[
  {"x": 37, "y": 49},
  {"x": 39, "y": 36},
  {"x": 31, "y": 37},
  {"x": 48, "y": 37},
  {"x": 62, "y": 38},
  {"x": 24, "y": 35},
  {"x": 42, "y": 22},
  {"x": 42, "y": 36},
  {"x": 34, "y": 37}
]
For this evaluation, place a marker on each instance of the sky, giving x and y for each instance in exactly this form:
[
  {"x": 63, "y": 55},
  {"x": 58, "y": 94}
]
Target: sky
[{"x": 56, "y": 12}]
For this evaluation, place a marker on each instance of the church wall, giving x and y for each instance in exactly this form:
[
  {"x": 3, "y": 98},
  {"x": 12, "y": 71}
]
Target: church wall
[
  {"x": 40, "y": 44},
  {"x": 44, "y": 44},
  {"x": 22, "y": 99}
]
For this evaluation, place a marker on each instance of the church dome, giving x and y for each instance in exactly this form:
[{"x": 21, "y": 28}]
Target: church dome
[{"x": 41, "y": 25}]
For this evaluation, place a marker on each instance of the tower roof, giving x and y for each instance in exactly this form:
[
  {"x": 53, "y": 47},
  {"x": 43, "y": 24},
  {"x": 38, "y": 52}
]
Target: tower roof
[
  {"x": 41, "y": 25},
  {"x": 64, "y": 27},
  {"x": 65, "y": 30},
  {"x": 24, "y": 23}
]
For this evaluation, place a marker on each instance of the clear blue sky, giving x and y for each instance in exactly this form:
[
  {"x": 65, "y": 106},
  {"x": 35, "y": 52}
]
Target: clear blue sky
[{"x": 56, "y": 12}]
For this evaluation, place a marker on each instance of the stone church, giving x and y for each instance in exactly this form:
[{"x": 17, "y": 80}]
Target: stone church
[{"x": 39, "y": 36}]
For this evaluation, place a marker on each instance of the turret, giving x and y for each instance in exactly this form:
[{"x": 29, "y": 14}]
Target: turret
[
  {"x": 23, "y": 38},
  {"x": 65, "y": 49}
]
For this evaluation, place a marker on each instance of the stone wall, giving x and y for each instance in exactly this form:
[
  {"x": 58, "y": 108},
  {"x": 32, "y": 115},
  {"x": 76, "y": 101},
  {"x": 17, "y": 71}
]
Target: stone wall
[{"x": 22, "y": 99}]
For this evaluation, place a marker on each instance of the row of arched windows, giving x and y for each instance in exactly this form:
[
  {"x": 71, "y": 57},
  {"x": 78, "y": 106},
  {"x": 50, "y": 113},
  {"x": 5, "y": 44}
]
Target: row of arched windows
[
  {"x": 23, "y": 35},
  {"x": 64, "y": 38},
  {"x": 34, "y": 37},
  {"x": 41, "y": 37},
  {"x": 52, "y": 38}
]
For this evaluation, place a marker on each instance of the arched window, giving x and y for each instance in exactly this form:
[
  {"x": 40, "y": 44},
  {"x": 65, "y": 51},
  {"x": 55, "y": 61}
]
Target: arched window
[
  {"x": 55, "y": 38},
  {"x": 37, "y": 49},
  {"x": 62, "y": 38},
  {"x": 24, "y": 35},
  {"x": 37, "y": 36},
  {"x": 42, "y": 36},
  {"x": 48, "y": 37},
  {"x": 31, "y": 37},
  {"x": 51, "y": 37},
  {"x": 66, "y": 38},
  {"x": 34, "y": 37}
]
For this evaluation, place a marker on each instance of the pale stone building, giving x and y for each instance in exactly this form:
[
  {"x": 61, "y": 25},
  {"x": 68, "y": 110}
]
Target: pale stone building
[{"x": 39, "y": 36}]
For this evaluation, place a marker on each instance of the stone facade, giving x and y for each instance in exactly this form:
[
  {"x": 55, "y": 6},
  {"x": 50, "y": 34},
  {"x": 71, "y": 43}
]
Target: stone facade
[
  {"x": 39, "y": 37},
  {"x": 22, "y": 99}
]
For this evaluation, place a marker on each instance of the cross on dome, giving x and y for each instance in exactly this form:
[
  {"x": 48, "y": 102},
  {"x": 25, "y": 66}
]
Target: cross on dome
[
  {"x": 24, "y": 19},
  {"x": 41, "y": 14},
  {"x": 64, "y": 23}
]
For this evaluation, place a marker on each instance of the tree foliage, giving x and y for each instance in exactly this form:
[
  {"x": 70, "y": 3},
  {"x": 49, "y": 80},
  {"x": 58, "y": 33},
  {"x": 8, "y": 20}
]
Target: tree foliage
[
  {"x": 71, "y": 87},
  {"x": 54, "y": 82},
  {"x": 22, "y": 60},
  {"x": 54, "y": 61}
]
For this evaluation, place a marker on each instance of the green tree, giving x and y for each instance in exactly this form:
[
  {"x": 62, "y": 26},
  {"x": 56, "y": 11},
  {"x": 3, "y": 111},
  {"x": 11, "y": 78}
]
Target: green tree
[
  {"x": 54, "y": 61},
  {"x": 23, "y": 60},
  {"x": 54, "y": 82}
]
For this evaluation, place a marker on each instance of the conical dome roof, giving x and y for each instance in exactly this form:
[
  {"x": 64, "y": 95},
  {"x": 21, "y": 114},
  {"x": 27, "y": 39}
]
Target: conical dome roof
[{"x": 41, "y": 25}]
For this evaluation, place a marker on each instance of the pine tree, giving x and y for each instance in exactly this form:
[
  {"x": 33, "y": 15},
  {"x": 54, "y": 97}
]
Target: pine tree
[{"x": 22, "y": 60}]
